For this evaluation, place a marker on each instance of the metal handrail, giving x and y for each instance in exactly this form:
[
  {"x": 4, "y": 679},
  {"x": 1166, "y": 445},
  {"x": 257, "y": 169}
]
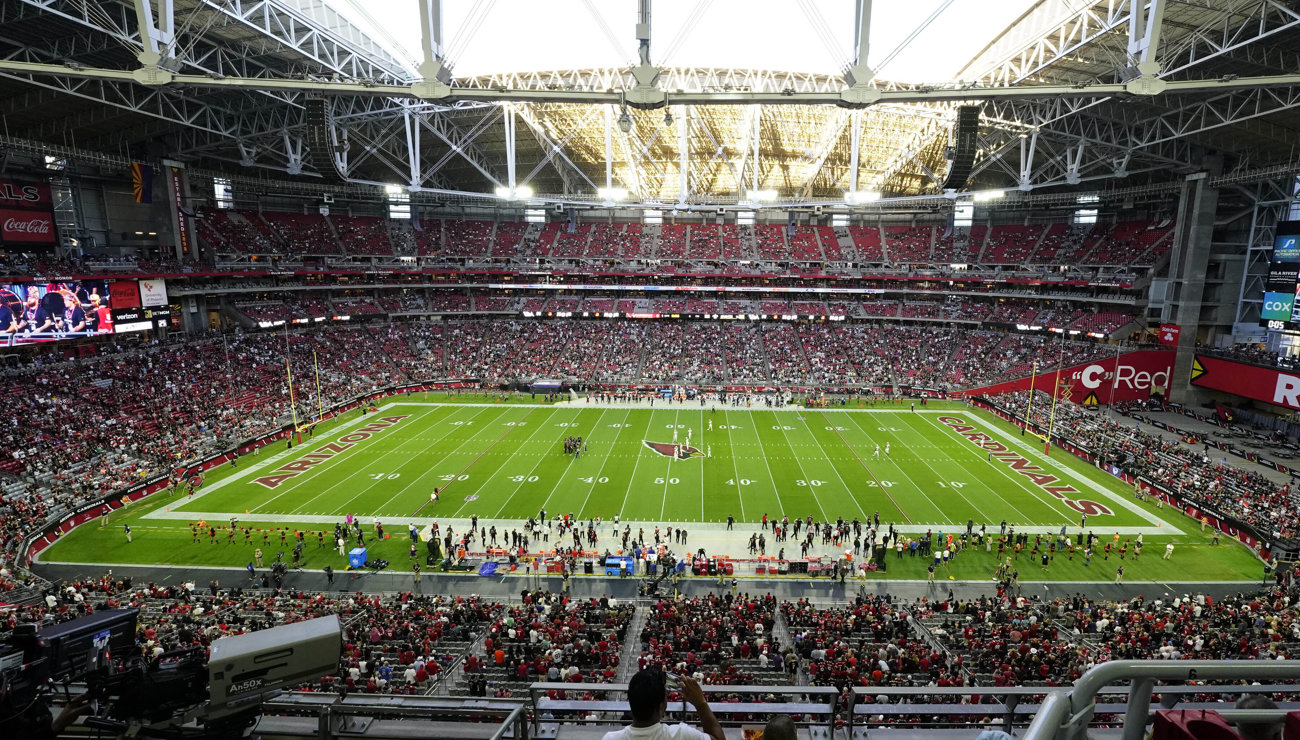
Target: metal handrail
[{"x": 1065, "y": 714}]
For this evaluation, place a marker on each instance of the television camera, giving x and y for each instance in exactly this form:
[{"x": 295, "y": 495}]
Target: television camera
[{"x": 176, "y": 693}]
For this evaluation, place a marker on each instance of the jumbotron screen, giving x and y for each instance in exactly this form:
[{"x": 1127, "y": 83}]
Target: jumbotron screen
[
  {"x": 1282, "y": 287},
  {"x": 32, "y": 313}
]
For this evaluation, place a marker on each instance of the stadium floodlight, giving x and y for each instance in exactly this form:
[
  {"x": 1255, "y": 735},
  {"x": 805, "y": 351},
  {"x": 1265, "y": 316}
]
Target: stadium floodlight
[
  {"x": 520, "y": 192},
  {"x": 760, "y": 196},
  {"x": 612, "y": 194},
  {"x": 394, "y": 189},
  {"x": 863, "y": 196},
  {"x": 625, "y": 123},
  {"x": 985, "y": 195}
]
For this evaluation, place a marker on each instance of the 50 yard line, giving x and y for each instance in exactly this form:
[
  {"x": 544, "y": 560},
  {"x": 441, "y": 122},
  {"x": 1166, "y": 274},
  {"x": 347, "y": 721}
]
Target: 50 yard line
[{"x": 668, "y": 474}]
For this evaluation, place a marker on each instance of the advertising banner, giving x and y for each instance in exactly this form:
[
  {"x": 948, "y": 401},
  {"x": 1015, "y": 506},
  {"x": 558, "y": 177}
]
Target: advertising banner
[
  {"x": 176, "y": 193},
  {"x": 26, "y": 214},
  {"x": 1248, "y": 381},
  {"x": 1169, "y": 334},
  {"x": 15, "y": 194},
  {"x": 125, "y": 293},
  {"x": 26, "y": 227},
  {"x": 153, "y": 292},
  {"x": 1135, "y": 377}
]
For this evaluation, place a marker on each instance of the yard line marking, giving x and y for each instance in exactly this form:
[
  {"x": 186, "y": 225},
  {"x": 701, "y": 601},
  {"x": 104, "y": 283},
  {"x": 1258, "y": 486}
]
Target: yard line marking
[
  {"x": 294, "y": 484},
  {"x": 520, "y": 485},
  {"x": 596, "y": 479},
  {"x": 844, "y": 483},
  {"x": 428, "y": 470},
  {"x": 362, "y": 468},
  {"x": 881, "y": 485},
  {"x": 640, "y": 450},
  {"x": 702, "y": 462},
  {"x": 763, "y": 447},
  {"x": 735, "y": 467},
  {"x": 663, "y": 499},
  {"x": 476, "y": 459},
  {"x": 926, "y": 461}
]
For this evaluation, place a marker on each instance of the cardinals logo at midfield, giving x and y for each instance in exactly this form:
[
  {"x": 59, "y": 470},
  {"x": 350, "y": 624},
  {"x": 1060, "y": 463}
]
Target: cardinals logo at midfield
[{"x": 668, "y": 449}]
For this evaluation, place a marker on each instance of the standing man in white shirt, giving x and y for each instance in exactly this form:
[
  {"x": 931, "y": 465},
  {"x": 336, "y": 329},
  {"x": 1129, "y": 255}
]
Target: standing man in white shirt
[{"x": 647, "y": 696}]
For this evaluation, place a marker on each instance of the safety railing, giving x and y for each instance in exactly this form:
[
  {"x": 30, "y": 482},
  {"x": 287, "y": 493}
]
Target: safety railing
[
  {"x": 816, "y": 707},
  {"x": 1066, "y": 713}
]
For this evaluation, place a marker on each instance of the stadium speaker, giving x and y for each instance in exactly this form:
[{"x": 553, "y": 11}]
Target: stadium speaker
[
  {"x": 558, "y": 209},
  {"x": 817, "y": 211},
  {"x": 965, "y": 144},
  {"x": 320, "y": 146}
]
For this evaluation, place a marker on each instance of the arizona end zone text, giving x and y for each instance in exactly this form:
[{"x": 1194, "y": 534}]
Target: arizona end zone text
[
  {"x": 1021, "y": 465},
  {"x": 326, "y": 452}
]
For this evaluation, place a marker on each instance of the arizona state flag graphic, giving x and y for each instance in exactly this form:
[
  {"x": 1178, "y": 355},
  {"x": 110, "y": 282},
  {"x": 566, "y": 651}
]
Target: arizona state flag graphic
[{"x": 142, "y": 182}]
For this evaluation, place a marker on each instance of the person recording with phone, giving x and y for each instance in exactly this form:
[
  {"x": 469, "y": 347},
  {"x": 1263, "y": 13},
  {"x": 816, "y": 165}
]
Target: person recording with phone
[{"x": 647, "y": 696}]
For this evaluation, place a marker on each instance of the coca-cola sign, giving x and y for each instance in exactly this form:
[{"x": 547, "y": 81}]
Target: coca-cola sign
[{"x": 26, "y": 227}]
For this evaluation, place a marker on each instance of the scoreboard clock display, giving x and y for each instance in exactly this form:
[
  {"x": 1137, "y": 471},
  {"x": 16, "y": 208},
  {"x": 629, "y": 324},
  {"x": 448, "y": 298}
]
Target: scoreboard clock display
[{"x": 1282, "y": 286}]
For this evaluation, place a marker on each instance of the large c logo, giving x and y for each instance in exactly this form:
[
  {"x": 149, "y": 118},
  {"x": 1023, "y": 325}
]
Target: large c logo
[{"x": 1089, "y": 376}]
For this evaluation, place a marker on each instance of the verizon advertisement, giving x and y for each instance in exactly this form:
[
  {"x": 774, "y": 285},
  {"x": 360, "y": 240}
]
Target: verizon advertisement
[
  {"x": 1135, "y": 376},
  {"x": 26, "y": 214},
  {"x": 1248, "y": 381}
]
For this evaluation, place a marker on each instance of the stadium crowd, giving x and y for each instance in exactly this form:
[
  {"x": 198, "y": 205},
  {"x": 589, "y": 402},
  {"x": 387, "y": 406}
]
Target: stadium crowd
[{"x": 409, "y": 643}]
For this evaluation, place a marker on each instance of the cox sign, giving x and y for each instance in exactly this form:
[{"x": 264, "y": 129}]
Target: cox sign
[{"x": 1277, "y": 306}]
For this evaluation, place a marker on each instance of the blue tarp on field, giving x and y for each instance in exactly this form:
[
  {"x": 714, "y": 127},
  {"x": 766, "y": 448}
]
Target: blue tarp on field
[{"x": 488, "y": 569}]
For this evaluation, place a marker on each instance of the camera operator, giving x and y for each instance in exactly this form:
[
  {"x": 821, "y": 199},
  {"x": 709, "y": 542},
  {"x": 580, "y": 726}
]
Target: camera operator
[{"x": 37, "y": 722}]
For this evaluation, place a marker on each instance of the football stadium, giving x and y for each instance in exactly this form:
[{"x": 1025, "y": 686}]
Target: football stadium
[{"x": 498, "y": 370}]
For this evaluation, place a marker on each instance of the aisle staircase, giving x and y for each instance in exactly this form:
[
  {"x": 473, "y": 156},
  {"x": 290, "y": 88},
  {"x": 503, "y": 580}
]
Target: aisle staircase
[{"x": 627, "y": 660}]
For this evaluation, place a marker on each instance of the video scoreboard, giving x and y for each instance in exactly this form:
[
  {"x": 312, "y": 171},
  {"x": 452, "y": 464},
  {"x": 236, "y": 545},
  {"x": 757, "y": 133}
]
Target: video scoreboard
[{"x": 1282, "y": 286}]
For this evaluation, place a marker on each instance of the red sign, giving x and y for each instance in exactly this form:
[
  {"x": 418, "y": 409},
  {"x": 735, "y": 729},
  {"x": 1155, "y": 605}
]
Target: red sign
[
  {"x": 178, "y": 212},
  {"x": 1133, "y": 378},
  {"x": 123, "y": 294},
  {"x": 1169, "y": 334},
  {"x": 1248, "y": 381},
  {"x": 15, "y": 194},
  {"x": 26, "y": 227}
]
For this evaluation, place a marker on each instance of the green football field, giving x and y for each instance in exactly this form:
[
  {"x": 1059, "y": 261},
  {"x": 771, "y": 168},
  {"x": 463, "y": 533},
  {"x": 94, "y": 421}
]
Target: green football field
[{"x": 945, "y": 464}]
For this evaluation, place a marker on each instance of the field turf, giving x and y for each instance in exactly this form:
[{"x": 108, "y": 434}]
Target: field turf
[{"x": 505, "y": 461}]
